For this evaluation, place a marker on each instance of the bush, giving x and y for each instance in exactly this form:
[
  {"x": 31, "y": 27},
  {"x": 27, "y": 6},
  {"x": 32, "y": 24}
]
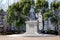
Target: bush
[
  {"x": 52, "y": 32},
  {"x": 49, "y": 32}
]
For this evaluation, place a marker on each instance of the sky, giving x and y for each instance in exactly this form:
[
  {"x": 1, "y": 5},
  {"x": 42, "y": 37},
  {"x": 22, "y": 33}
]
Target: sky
[{"x": 4, "y": 3}]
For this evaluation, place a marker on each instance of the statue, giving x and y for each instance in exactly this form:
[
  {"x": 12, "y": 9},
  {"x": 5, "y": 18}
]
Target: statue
[{"x": 32, "y": 14}]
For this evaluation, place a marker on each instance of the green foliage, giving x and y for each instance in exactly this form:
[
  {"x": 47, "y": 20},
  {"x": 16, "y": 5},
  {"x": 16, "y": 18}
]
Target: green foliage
[
  {"x": 55, "y": 5},
  {"x": 41, "y": 4},
  {"x": 26, "y": 9},
  {"x": 18, "y": 12},
  {"x": 54, "y": 19},
  {"x": 1, "y": 10},
  {"x": 47, "y": 15}
]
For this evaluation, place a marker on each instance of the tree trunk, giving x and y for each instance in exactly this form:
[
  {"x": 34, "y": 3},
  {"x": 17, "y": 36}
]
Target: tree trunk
[
  {"x": 48, "y": 24},
  {"x": 43, "y": 22},
  {"x": 56, "y": 27},
  {"x": 18, "y": 29}
]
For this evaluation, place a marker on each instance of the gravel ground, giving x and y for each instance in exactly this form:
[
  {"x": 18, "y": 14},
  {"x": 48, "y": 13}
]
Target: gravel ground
[{"x": 29, "y": 38}]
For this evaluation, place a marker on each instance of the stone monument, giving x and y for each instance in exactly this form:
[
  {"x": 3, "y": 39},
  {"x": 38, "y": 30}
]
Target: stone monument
[{"x": 31, "y": 25}]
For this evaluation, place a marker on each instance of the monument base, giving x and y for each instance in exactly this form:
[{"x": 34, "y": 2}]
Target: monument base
[
  {"x": 36, "y": 34},
  {"x": 31, "y": 28},
  {"x": 31, "y": 35}
]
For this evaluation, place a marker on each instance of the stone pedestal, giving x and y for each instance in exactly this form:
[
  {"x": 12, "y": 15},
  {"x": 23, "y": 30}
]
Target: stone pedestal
[{"x": 31, "y": 28}]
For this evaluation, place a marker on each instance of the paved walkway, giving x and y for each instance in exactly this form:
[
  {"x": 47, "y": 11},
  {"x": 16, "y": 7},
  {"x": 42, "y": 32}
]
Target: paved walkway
[{"x": 29, "y": 38}]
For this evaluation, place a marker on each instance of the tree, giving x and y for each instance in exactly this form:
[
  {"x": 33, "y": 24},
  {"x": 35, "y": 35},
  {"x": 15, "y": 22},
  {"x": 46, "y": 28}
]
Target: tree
[
  {"x": 41, "y": 5},
  {"x": 1, "y": 16},
  {"x": 47, "y": 16},
  {"x": 1, "y": 10},
  {"x": 54, "y": 21},
  {"x": 55, "y": 8},
  {"x": 54, "y": 5},
  {"x": 18, "y": 12}
]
